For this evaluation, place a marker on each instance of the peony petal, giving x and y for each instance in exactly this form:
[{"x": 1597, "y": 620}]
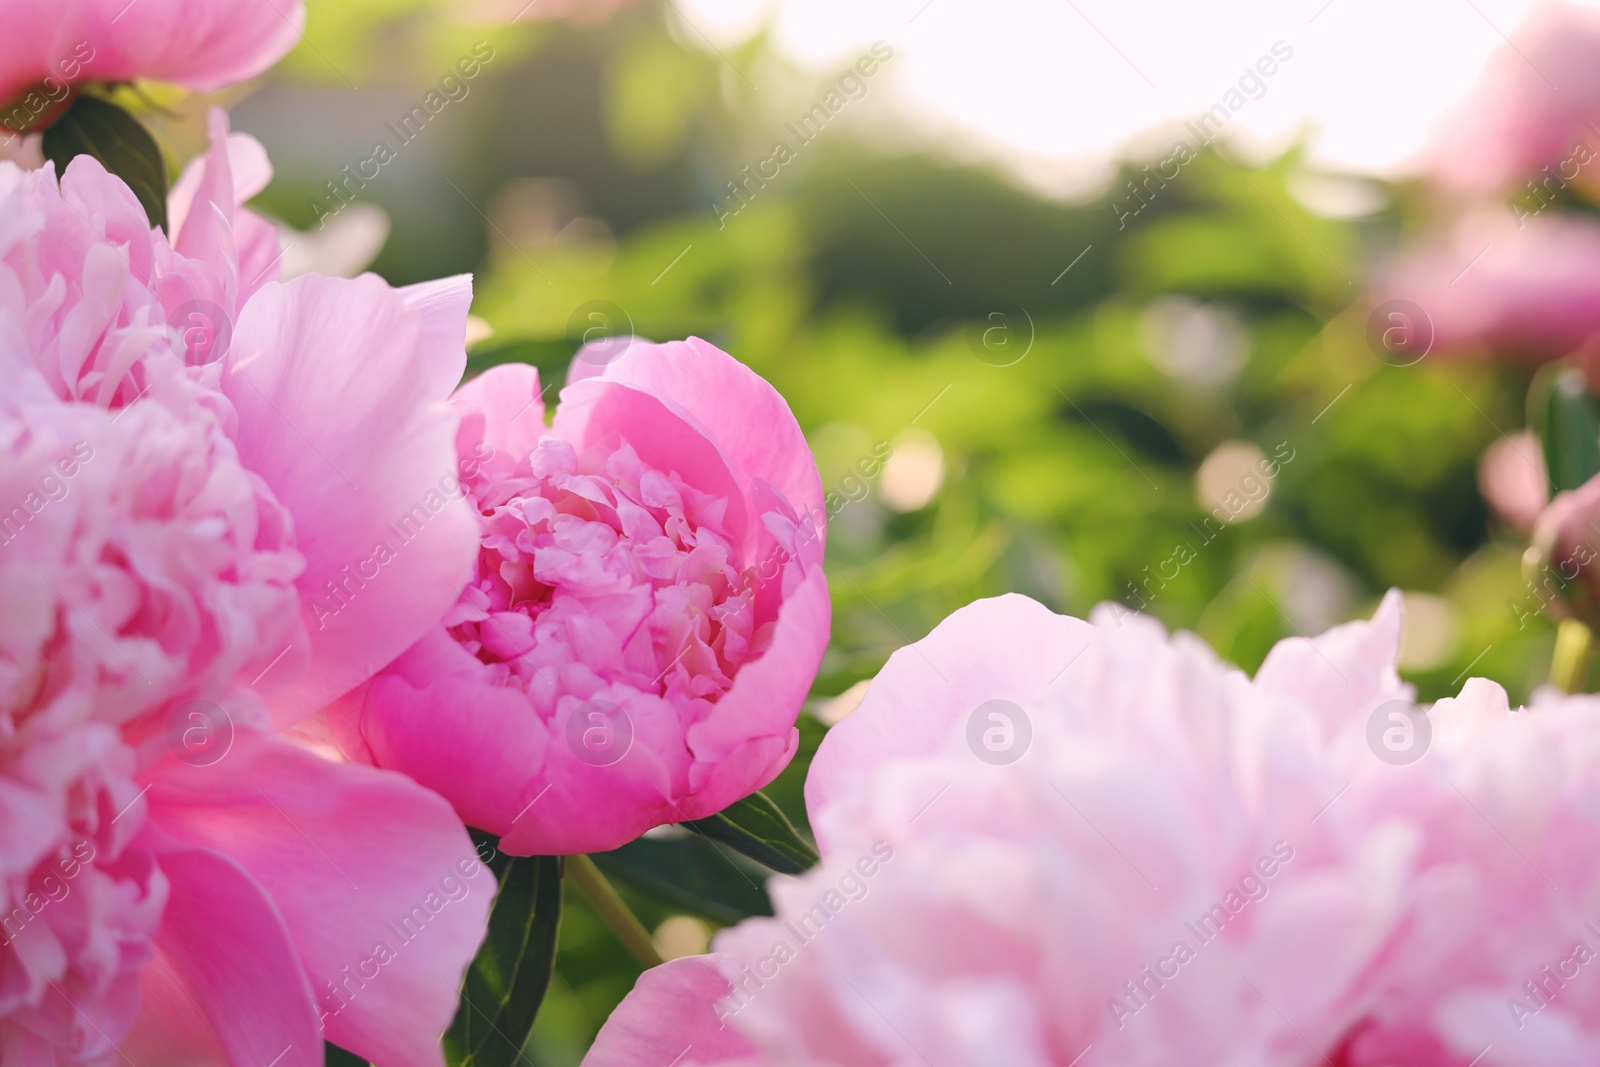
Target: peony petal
[
  {"x": 335, "y": 413},
  {"x": 1003, "y": 648},
  {"x": 442, "y": 305},
  {"x": 227, "y": 976},
  {"x": 376, "y": 879},
  {"x": 670, "y": 1019},
  {"x": 717, "y": 398},
  {"x": 509, "y": 398}
]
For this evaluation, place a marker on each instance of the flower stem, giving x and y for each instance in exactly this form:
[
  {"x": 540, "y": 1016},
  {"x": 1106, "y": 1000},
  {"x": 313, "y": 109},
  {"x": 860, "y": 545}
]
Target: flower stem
[
  {"x": 1569, "y": 667},
  {"x": 613, "y": 910}
]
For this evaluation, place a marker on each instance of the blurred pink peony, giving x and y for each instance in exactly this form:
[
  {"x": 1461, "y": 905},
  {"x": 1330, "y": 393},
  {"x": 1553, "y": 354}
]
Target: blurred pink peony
[
  {"x": 1566, "y": 542},
  {"x": 1535, "y": 106},
  {"x": 649, "y": 609},
  {"x": 1048, "y": 842},
  {"x": 204, "y": 44},
  {"x": 196, "y": 459},
  {"x": 1531, "y": 293}
]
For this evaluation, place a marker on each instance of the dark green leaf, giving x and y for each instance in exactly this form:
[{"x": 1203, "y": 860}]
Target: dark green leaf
[
  {"x": 1567, "y": 419},
  {"x": 507, "y": 981},
  {"x": 689, "y": 874},
  {"x": 758, "y": 829},
  {"x": 98, "y": 128},
  {"x": 334, "y": 1056}
]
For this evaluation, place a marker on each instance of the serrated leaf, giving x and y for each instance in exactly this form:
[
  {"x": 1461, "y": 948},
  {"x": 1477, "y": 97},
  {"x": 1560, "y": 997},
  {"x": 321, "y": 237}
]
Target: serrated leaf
[
  {"x": 98, "y": 128},
  {"x": 509, "y": 977},
  {"x": 756, "y": 827},
  {"x": 689, "y": 874},
  {"x": 1567, "y": 419}
]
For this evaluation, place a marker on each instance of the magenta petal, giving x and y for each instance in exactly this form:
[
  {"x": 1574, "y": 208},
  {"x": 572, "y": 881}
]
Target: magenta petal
[
  {"x": 227, "y": 977},
  {"x": 671, "y": 1018},
  {"x": 336, "y": 414},
  {"x": 749, "y": 736},
  {"x": 204, "y": 44},
  {"x": 376, "y": 879},
  {"x": 717, "y": 397},
  {"x": 1003, "y": 648}
]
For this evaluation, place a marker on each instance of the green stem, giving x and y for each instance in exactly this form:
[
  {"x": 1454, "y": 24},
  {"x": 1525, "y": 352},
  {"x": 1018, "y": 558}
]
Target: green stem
[
  {"x": 1569, "y": 667},
  {"x": 613, "y": 910}
]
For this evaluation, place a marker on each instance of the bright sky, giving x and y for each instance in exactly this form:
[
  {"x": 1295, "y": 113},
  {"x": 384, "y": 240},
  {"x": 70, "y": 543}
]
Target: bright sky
[{"x": 1072, "y": 81}]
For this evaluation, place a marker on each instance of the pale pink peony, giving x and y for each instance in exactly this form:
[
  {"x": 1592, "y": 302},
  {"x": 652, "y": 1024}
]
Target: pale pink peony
[
  {"x": 1150, "y": 859},
  {"x": 204, "y": 44},
  {"x": 191, "y": 456},
  {"x": 1535, "y": 106},
  {"x": 649, "y": 609}
]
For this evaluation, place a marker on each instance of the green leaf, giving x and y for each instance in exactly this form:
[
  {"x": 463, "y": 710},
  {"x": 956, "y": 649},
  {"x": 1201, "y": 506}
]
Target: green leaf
[
  {"x": 1567, "y": 419},
  {"x": 334, "y": 1056},
  {"x": 756, "y": 827},
  {"x": 689, "y": 874},
  {"x": 508, "y": 980},
  {"x": 98, "y": 128}
]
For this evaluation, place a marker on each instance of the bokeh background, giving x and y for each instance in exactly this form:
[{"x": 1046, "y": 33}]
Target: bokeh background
[{"x": 1167, "y": 399}]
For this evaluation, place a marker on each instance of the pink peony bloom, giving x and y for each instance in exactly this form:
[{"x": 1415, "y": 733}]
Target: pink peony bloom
[
  {"x": 1048, "y": 842},
  {"x": 197, "y": 462},
  {"x": 204, "y": 44},
  {"x": 1566, "y": 542},
  {"x": 648, "y": 613},
  {"x": 1534, "y": 107},
  {"x": 1530, "y": 292}
]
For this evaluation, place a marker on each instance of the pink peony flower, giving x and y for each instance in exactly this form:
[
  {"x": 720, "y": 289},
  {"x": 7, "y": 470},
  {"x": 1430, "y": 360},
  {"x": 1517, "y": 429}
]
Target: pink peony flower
[
  {"x": 1566, "y": 545},
  {"x": 1049, "y": 842},
  {"x": 204, "y": 44},
  {"x": 648, "y": 613},
  {"x": 1534, "y": 107},
  {"x": 196, "y": 461},
  {"x": 1529, "y": 292}
]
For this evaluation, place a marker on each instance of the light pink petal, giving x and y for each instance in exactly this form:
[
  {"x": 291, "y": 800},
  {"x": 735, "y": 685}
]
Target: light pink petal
[
  {"x": 204, "y": 44},
  {"x": 377, "y": 881},
  {"x": 1341, "y": 674},
  {"x": 442, "y": 305},
  {"x": 333, "y": 392},
  {"x": 670, "y": 1019},
  {"x": 227, "y": 977},
  {"x": 1003, "y": 648},
  {"x": 508, "y": 398}
]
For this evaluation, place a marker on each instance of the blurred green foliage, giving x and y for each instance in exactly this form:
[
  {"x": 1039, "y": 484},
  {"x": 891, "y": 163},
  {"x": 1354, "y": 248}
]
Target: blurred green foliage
[{"x": 861, "y": 281}]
